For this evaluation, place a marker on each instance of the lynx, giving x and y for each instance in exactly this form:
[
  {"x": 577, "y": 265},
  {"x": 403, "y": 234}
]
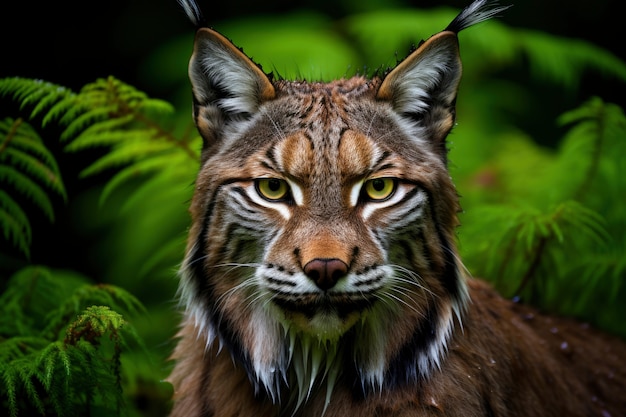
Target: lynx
[{"x": 321, "y": 276}]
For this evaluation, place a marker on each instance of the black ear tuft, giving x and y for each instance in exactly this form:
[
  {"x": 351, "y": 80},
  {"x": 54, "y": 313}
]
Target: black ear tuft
[
  {"x": 477, "y": 12},
  {"x": 193, "y": 12}
]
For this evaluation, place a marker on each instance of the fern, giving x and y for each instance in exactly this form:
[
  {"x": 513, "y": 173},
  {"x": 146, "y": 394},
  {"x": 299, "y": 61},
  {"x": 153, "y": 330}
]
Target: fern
[
  {"x": 132, "y": 131},
  {"x": 28, "y": 168},
  {"x": 549, "y": 230},
  {"x": 106, "y": 113},
  {"x": 62, "y": 359}
]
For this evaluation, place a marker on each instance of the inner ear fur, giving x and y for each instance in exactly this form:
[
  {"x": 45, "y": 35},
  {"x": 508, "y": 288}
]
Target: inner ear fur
[
  {"x": 227, "y": 85},
  {"x": 423, "y": 87},
  {"x": 216, "y": 61}
]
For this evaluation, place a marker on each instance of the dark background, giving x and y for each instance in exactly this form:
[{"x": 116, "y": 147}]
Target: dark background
[{"x": 75, "y": 42}]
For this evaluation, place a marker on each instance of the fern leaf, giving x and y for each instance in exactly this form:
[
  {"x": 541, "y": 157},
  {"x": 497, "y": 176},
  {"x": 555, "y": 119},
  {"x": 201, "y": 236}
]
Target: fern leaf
[
  {"x": 28, "y": 168},
  {"x": 55, "y": 375},
  {"x": 27, "y": 139},
  {"x": 85, "y": 295},
  {"x": 126, "y": 154},
  {"x": 21, "y": 146},
  {"x": 9, "y": 381},
  {"x": 564, "y": 61},
  {"x": 77, "y": 123},
  {"x": 14, "y": 223},
  {"x": 29, "y": 188},
  {"x": 67, "y": 107},
  {"x": 26, "y": 373},
  {"x": 54, "y": 94},
  {"x": 42, "y": 94},
  {"x": 35, "y": 169},
  {"x": 586, "y": 222},
  {"x": 103, "y": 133}
]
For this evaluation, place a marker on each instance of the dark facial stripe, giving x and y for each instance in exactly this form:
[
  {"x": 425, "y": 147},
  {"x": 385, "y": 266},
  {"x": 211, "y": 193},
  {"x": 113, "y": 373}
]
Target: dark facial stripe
[
  {"x": 403, "y": 368},
  {"x": 449, "y": 276}
]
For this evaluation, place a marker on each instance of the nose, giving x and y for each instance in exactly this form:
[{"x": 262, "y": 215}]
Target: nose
[{"x": 325, "y": 272}]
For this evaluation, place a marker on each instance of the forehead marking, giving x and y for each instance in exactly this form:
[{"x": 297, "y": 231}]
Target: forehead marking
[{"x": 295, "y": 155}]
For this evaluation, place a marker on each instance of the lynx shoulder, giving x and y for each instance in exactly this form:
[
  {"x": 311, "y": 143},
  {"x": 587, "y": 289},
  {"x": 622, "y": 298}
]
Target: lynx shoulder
[{"x": 321, "y": 275}]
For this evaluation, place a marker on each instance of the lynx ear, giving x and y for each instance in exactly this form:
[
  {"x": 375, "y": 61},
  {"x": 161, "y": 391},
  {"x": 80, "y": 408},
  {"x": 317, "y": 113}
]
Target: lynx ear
[
  {"x": 423, "y": 87},
  {"x": 227, "y": 85}
]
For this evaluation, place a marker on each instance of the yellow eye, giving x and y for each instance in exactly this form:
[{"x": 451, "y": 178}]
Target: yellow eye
[
  {"x": 379, "y": 189},
  {"x": 272, "y": 189}
]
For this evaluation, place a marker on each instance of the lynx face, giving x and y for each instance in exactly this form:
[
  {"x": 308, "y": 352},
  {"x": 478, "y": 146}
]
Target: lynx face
[
  {"x": 326, "y": 216},
  {"x": 323, "y": 218}
]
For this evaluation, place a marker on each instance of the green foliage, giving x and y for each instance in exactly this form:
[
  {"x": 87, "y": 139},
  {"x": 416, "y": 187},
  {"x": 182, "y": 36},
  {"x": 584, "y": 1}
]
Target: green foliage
[
  {"x": 50, "y": 367},
  {"x": 28, "y": 168},
  {"x": 137, "y": 142},
  {"x": 548, "y": 225}
]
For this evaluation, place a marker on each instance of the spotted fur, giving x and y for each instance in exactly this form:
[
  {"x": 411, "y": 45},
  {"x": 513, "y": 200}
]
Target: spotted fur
[{"x": 324, "y": 299}]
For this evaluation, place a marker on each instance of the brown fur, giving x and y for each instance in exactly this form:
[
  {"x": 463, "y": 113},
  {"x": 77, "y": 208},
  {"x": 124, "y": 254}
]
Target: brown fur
[{"x": 507, "y": 360}]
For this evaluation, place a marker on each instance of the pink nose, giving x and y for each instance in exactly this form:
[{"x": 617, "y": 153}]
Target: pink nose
[{"x": 325, "y": 272}]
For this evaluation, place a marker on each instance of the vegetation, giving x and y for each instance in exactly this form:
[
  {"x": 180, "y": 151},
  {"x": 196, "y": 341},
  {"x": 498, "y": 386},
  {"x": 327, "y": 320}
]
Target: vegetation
[{"x": 543, "y": 216}]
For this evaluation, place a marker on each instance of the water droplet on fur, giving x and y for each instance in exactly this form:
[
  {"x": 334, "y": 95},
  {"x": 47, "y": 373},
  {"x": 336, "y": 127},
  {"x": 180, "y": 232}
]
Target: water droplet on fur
[
  {"x": 564, "y": 346},
  {"x": 605, "y": 413},
  {"x": 554, "y": 330}
]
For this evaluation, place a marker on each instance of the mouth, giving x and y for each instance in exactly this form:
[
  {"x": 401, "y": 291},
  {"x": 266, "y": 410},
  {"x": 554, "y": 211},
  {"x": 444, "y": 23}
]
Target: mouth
[{"x": 312, "y": 311}]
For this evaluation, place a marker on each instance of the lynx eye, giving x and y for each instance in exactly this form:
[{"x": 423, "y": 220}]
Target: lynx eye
[
  {"x": 272, "y": 189},
  {"x": 379, "y": 189}
]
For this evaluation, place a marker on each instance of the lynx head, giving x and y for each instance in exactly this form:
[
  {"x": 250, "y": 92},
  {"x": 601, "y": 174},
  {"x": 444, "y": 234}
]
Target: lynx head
[{"x": 323, "y": 220}]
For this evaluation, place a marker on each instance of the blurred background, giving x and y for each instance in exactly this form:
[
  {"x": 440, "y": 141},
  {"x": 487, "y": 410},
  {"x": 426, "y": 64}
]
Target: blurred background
[
  {"x": 72, "y": 44},
  {"x": 542, "y": 192}
]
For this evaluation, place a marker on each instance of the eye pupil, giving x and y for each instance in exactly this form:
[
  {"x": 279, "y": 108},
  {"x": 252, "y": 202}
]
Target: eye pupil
[
  {"x": 378, "y": 184},
  {"x": 274, "y": 184}
]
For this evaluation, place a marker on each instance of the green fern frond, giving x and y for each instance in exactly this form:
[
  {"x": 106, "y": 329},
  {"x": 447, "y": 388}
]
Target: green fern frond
[
  {"x": 21, "y": 135},
  {"x": 9, "y": 382},
  {"x": 523, "y": 241},
  {"x": 597, "y": 138},
  {"x": 43, "y": 95},
  {"x": 29, "y": 169},
  {"x": 19, "y": 346},
  {"x": 95, "y": 322},
  {"x": 55, "y": 375},
  {"x": 69, "y": 105},
  {"x": 67, "y": 372},
  {"x": 106, "y": 113},
  {"x": 35, "y": 168},
  {"x": 14, "y": 223},
  {"x": 76, "y": 122},
  {"x": 85, "y": 295},
  {"x": 29, "y": 188},
  {"x": 563, "y": 61},
  {"x": 105, "y": 133},
  {"x": 130, "y": 152}
]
